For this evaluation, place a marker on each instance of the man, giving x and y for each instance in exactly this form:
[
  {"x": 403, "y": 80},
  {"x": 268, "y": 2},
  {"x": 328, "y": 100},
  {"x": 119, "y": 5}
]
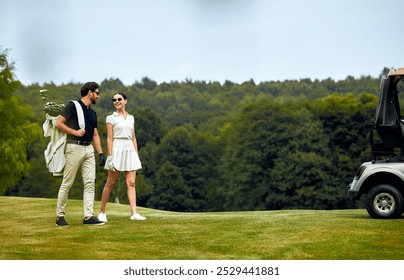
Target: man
[{"x": 79, "y": 153}]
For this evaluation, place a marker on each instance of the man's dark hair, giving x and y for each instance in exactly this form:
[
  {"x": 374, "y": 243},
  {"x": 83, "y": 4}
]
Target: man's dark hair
[{"x": 88, "y": 86}]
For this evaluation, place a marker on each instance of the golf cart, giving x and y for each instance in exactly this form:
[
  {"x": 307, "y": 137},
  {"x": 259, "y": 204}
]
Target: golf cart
[{"x": 382, "y": 178}]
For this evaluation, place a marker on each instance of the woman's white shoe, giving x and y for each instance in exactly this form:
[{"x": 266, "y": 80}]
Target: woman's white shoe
[
  {"x": 102, "y": 216},
  {"x": 137, "y": 217}
]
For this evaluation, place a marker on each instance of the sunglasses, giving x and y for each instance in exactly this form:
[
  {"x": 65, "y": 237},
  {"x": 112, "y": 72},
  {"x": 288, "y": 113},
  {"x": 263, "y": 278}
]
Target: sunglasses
[{"x": 116, "y": 99}]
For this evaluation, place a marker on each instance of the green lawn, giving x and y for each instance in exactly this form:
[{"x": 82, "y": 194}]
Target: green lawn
[{"x": 28, "y": 231}]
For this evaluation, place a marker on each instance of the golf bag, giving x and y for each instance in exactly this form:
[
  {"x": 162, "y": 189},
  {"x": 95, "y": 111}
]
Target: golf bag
[{"x": 55, "y": 151}]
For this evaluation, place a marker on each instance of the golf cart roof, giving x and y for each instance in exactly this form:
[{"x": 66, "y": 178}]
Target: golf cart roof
[{"x": 396, "y": 72}]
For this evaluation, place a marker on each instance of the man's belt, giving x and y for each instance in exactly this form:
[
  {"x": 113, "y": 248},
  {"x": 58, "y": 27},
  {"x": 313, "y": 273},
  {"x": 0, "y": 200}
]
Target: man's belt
[{"x": 82, "y": 143}]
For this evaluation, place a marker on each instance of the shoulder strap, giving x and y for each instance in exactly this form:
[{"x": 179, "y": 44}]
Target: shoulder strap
[{"x": 80, "y": 114}]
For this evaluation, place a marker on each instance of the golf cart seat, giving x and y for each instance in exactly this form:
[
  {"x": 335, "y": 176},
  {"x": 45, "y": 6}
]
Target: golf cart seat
[{"x": 388, "y": 123}]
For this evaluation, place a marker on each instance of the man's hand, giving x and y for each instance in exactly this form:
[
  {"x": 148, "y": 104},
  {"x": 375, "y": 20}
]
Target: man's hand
[{"x": 102, "y": 159}]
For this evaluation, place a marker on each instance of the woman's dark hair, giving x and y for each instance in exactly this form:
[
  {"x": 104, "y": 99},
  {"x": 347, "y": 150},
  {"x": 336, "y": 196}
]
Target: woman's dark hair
[
  {"x": 88, "y": 86},
  {"x": 123, "y": 95}
]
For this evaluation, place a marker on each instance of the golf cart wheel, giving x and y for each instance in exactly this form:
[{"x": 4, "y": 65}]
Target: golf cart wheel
[{"x": 384, "y": 202}]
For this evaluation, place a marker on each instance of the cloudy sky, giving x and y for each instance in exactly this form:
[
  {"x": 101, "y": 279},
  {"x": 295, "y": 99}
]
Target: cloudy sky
[{"x": 211, "y": 40}]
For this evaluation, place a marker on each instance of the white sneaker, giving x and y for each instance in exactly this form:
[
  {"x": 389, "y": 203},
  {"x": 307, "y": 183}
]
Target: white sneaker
[
  {"x": 137, "y": 217},
  {"x": 102, "y": 216}
]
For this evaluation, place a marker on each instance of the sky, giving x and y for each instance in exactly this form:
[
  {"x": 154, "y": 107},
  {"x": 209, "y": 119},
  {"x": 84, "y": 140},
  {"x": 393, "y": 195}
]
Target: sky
[{"x": 64, "y": 41}]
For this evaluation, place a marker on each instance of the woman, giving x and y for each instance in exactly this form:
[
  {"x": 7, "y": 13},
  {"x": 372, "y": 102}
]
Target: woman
[{"x": 122, "y": 155}]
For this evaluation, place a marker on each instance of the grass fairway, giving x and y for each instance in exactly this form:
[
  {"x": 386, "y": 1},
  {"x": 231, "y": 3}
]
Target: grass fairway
[{"x": 28, "y": 232}]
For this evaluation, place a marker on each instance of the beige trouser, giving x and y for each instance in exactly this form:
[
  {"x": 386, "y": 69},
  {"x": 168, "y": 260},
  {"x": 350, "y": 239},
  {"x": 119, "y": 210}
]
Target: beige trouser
[{"x": 77, "y": 157}]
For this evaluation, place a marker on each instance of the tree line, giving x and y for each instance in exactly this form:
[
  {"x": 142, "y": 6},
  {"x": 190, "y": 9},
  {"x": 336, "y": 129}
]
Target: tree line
[{"x": 208, "y": 146}]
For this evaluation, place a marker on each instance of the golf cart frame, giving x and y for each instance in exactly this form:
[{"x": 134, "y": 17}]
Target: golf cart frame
[
  {"x": 382, "y": 179},
  {"x": 388, "y": 123}
]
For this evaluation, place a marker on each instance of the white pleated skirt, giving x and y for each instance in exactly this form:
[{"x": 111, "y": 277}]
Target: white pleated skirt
[{"x": 124, "y": 155}]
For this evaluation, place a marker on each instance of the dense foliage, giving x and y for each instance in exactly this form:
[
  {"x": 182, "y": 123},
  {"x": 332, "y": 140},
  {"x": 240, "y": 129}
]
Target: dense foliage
[
  {"x": 207, "y": 146},
  {"x": 17, "y": 130}
]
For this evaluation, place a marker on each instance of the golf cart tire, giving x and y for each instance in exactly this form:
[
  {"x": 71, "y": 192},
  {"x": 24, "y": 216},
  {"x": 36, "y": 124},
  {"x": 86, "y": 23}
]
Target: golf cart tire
[{"x": 384, "y": 202}]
